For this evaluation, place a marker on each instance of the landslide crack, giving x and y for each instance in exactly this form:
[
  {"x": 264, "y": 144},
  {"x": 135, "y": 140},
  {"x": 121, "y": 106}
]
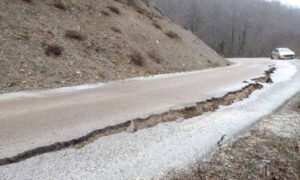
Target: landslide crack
[{"x": 135, "y": 124}]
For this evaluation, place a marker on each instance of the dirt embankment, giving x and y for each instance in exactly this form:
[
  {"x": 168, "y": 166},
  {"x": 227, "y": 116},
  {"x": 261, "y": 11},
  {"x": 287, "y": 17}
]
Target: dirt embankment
[
  {"x": 57, "y": 43},
  {"x": 269, "y": 150}
]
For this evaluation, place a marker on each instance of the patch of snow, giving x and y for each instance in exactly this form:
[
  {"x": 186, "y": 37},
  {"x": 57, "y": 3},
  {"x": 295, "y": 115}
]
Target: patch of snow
[{"x": 285, "y": 70}]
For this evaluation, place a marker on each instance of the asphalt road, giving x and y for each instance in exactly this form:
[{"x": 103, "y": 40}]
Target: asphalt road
[{"x": 42, "y": 118}]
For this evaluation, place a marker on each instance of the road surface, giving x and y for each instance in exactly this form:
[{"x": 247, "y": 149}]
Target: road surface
[
  {"x": 43, "y": 118},
  {"x": 151, "y": 152}
]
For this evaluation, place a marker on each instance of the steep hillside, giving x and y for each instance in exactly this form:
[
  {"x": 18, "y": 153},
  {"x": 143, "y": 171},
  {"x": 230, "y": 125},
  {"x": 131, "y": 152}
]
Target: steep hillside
[{"x": 52, "y": 43}]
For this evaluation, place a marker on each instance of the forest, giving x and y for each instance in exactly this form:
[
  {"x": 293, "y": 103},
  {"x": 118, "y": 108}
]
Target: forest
[{"x": 238, "y": 28}]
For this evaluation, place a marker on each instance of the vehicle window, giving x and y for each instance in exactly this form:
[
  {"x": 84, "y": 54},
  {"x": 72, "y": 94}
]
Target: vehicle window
[{"x": 284, "y": 50}]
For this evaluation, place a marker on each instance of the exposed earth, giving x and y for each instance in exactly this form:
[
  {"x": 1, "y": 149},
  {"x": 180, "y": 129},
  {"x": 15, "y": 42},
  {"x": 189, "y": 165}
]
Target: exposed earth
[{"x": 57, "y": 43}]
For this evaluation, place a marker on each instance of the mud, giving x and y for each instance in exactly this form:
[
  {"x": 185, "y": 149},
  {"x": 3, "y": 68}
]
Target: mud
[{"x": 267, "y": 77}]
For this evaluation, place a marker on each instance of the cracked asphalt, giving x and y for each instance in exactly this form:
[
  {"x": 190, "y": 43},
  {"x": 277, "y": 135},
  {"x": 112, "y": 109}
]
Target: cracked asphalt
[{"x": 36, "y": 119}]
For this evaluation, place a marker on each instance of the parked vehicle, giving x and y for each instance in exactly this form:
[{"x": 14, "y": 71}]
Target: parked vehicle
[{"x": 282, "y": 53}]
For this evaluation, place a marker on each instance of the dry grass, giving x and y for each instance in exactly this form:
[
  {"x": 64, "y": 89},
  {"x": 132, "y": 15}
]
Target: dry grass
[
  {"x": 74, "y": 35},
  {"x": 25, "y": 37},
  {"x": 172, "y": 35},
  {"x": 259, "y": 155},
  {"x": 148, "y": 14},
  {"x": 137, "y": 58},
  {"x": 115, "y": 29},
  {"x": 54, "y": 50},
  {"x": 105, "y": 13},
  {"x": 59, "y": 5},
  {"x": 114, "y": 9},
  {"x": 27, "y": 1},
  {"x": 153, "y": 55},
  {"x": 140, "y": 10},
  {"x": 156, "y": 25},
  {"x": 297, "y": 108},
  {"x": 160, "y": 12}
]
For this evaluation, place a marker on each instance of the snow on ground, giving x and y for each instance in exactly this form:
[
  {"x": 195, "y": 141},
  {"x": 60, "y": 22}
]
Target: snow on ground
[{"x": 151, "y": 152}]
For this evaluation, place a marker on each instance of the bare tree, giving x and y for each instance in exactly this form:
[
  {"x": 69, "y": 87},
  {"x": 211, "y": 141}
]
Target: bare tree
[
  {"x": 192, "y": 16},
  {"x": 235, "y": 27}
]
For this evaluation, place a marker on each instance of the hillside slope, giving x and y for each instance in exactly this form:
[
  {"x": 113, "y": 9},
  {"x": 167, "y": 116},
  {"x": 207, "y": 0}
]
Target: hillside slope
[{"x": 52, "y": 43}]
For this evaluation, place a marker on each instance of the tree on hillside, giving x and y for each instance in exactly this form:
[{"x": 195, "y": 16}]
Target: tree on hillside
[
  {"x": 235, "y": 27},
  {"x": 192, "y": 16}
]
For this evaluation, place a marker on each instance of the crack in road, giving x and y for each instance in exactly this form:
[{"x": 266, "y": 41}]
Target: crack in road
[{"x": 139, "y": 123}]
